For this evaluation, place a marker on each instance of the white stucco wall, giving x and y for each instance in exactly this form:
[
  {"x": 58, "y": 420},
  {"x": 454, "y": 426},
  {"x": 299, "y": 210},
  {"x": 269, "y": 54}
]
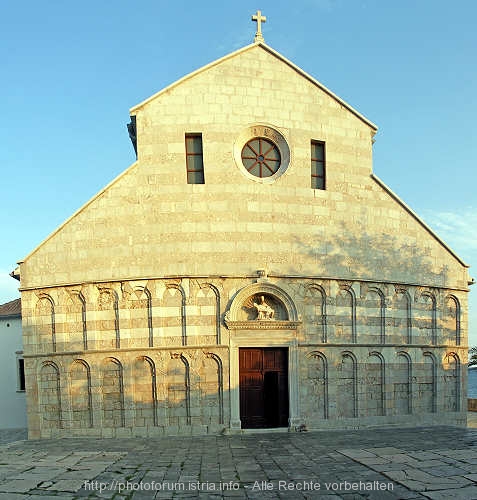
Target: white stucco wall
[{"x": 13, "y": 405}]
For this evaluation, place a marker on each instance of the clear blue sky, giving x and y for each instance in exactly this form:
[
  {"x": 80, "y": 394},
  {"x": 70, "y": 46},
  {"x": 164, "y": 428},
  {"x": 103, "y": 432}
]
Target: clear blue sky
[{"x": 70, "y": 71}]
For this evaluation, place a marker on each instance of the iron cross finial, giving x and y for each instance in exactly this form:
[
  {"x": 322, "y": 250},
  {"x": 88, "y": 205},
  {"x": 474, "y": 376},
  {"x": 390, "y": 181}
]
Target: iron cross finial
[{"x": 259, "y": 20}]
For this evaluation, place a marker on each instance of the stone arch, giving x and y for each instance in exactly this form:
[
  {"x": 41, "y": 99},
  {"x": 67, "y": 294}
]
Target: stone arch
[
  {"x": 376, "y": 321},
  {"x": 427, "y": 387},
  {"x": 347, "y": 390},
  {"x": 178, "y": 390},
  {"x": 108, "y": 319},
  {"x": 202, "y": 302},
  {"x": 267, "y": 289},
  {"x": 75, "y": 330},
  {"x": 316, "y": 387},
  {"x": 402, "y": 384},
  {"x": 345, "y": 325},
  {"x": 452, "y": 319},
  {"x": 211, "y": 390},
  {"x": 145, "y": 392},
  {"x": 451, "y": 391},
  {"x": 113, "y": 393},
  {"x": 375, "y": 385},
  {"x": 45, "y": 324},
  {"x": 174, "y": 323},
  {"x": 138, "y": 311},
  {"x": 50, "y": 396},
  {"x": 315, "y": 313},
  {"x": 80, "y": 395},
  {"x": 402, "y": 316},
  {"x": 427, "y": 320},
  {"x": 160, "y": 359}
]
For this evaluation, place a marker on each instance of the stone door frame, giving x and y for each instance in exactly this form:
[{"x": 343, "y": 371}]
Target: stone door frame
[{"x": 263, "y": 339}]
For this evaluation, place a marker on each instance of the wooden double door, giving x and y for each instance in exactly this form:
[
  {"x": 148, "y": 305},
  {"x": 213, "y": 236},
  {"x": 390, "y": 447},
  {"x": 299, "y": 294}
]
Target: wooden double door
[{"x": 263, "y": 387}]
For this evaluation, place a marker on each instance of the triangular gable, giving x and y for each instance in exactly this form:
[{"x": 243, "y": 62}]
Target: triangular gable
[
  {"x": 413, "y": 214},
  {"x": 75, "y": 214},
  {"x": 271, "y": 51}
]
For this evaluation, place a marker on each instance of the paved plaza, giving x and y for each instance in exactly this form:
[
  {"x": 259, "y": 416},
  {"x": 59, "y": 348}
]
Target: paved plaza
[{"x": 434, "y": 463}]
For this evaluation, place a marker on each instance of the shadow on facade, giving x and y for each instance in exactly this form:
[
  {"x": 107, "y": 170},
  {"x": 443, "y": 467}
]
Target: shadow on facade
[
  {"x": 386, "y": 344},
  {"x": 372, "y": 257}
]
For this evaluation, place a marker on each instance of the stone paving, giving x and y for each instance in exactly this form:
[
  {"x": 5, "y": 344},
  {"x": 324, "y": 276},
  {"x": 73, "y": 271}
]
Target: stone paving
[
  {"x": 11, "y": 435},
  {"x": 434, "y": 463}
]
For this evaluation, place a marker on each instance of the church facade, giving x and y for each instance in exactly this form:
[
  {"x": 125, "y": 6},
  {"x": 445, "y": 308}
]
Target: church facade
[{"x": 247, "y": 271}]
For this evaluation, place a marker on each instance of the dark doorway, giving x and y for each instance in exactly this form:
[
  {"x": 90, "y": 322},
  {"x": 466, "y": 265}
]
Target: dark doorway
[{"x": 263, "y": 387}]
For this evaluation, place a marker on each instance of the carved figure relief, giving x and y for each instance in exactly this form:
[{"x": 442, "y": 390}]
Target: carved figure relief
[
  {"x": 262, "y": 307},
  {"x": 264, "y": 311}
]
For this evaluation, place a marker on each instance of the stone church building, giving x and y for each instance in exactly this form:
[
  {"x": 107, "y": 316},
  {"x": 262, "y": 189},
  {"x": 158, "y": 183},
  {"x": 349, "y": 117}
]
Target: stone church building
[{"x": 247, "y": 271}]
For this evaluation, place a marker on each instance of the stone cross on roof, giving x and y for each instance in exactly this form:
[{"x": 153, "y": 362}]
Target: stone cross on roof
[{"x": 259, "y": 19}]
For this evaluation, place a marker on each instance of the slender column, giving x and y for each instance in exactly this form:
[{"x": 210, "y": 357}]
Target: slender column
[
  {"x": 294, "y": 419},
  {"x": 235, "y": 423}
]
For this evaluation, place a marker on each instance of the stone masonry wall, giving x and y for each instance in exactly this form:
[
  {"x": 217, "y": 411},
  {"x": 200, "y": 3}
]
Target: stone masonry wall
[
  {"x": 150, "y": 222},
  {"x": 152, "y": 357},
  {"x": 125, "y": 306}
]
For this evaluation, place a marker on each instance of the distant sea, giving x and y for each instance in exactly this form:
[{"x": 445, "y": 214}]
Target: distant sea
[{"x": 472, "y": 387}]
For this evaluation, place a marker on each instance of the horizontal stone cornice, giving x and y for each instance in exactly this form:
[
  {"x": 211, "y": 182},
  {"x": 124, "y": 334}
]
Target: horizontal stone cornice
[{"x": 247, "y": 276}]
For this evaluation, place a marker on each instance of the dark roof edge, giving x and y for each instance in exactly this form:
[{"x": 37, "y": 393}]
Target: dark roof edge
[{"x": 12, "y": 309}]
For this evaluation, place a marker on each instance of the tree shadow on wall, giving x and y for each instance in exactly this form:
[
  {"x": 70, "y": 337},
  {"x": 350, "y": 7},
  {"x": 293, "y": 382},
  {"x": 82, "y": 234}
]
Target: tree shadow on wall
[{"x": 347, "y": 255}]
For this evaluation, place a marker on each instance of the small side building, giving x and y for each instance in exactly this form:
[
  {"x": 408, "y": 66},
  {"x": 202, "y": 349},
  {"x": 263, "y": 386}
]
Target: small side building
[{"x": 12, "y": 379}]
